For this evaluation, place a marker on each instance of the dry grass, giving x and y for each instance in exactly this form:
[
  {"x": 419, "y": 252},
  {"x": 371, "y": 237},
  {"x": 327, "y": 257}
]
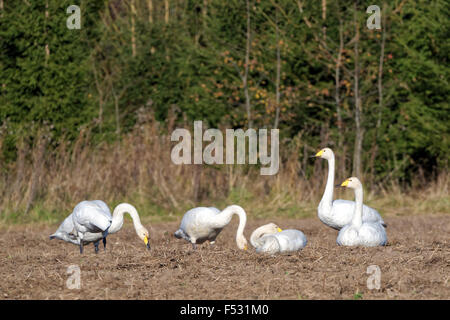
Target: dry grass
[{"x": 46, "y": 182}]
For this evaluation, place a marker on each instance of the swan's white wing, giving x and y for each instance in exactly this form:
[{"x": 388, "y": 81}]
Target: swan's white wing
[
  {"x": 65, "y": 231},
  {"x": 269, "y": 244},
  {"x": 295, "y": 240},
  {"x": 372, "y": 234},
  {"x": 347, "y": 236},
  {"x": 368, "y": 235},
  {"x": 89, "y": 216},
  {"x": 291, "y": 240},
  {"x": 200, "y": 216},
  {"x": 285, "y": 241},
  {"x": 198, "y": 224},
  {"x": 342, "y": 213},
  {"x": 102, "y": 206},
  {"x": 66, "y": 226},
  {"x": 214, "y": 209}
]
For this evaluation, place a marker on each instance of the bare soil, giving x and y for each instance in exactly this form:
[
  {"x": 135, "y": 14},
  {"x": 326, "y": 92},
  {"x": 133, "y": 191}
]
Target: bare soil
[{"x": 414, "y": 265}]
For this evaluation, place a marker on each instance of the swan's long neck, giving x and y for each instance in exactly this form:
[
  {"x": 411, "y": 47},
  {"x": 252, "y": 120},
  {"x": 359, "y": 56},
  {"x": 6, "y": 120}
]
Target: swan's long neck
[
  {"x": 358, "y": 213},
  {"x": 256, "y": 235},
  {"x": 327, "y": 197},
  {"x": 117, "y": 219},
  {"x": 227, "y": 214}
]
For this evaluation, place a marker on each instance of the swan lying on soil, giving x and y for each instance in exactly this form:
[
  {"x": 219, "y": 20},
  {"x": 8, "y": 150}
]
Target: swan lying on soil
[
  {"x": 359, "y": 232},
  {"x": 271, "y": 239}
]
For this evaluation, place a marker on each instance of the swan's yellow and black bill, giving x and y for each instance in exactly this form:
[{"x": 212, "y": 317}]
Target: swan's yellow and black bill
[
  {"x": 279, "y": 229},
  {"x": 345, "y": 183},
  {"x": 318, "y": 154},
  {"x": 147, "y": 243}
]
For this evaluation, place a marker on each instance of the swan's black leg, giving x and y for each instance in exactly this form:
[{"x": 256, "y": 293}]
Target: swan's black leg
[
  {"x": 194, "y": 246},
  {"x": 81, "y": 246},
  {"x": 96, "y": 246},
  {"x": 105, "y": 234}
]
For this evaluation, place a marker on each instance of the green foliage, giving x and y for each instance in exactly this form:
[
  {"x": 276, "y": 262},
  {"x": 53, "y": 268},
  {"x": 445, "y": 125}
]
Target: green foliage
[
  {"x": 192, "y": 65},
  {"x": 357, "y": 296},
  {"x": 45, "y": 75}
]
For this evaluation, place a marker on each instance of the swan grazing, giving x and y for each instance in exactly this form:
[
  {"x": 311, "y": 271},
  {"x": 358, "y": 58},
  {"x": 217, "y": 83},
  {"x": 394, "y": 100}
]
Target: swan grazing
[
  {"x": 201, "y": 224},
  {"x": 271, "y": 239},
  {"x": 359, "y": 232},
  {"x": 91, "y": 221},
  {"x": 338, "y": 213}
]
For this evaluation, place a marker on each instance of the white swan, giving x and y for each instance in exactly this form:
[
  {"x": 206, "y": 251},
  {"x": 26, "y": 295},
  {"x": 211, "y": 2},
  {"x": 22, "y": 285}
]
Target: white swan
[
  {"x": 338, "y": 213},
  {"x": 359, "y": 232},
  {"x": 201, "y": 224},
  {"x": 91, "y": 221},
  {"x": 271, "y": 239}
]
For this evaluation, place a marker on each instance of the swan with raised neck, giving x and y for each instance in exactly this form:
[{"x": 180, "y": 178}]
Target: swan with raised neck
[{"x": 339, "y": 213}]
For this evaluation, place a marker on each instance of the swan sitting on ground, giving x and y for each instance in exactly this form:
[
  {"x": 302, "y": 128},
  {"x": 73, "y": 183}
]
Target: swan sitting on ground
[
  {"x": 201, "y": 224},
  {"x": 339, "y": 213},
  {"x": 271, "y": 239},
  {"x": 91, "y": 221},
  {"x": 359, "y": 232}
]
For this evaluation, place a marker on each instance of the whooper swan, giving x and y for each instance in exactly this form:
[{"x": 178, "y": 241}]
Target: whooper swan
[
  {"x": 359, "y": 232},
  {"x": 91, "y": 221},
  {"x": 271, "y": 239},
  {"x": 201, "y": 224},
  {"x": 338, "y": 213}
]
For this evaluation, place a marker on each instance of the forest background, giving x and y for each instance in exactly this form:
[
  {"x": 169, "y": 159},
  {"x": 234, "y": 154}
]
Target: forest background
[{"x": 88, "y": 113}]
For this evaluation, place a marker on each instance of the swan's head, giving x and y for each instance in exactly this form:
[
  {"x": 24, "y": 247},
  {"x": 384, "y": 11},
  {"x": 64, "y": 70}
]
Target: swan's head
[
  {"x": 352, "y": 183},
  {"x": 271, "y": 228},
  {"x": 325, "y": 153},
  {"x": 242, "y": 243},
  {"x": 143, "y": 234}
]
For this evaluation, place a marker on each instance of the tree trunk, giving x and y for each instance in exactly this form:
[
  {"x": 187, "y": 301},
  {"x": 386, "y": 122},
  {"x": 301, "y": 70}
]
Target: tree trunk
[
  {"x": 247, "y": 61},
  {"x": 47, "y": 48},
  {"x": 277, "y": 81},
  {"x": 100, "y": 96},
  {"x": 133, "y": 28},
  {"x": 150, "y": 11},
  {"x": 337, "y": 99},
  {"x": 197, "y": 182},
  {"x": 324, "y": 17},
  {"x": 205, "y": 12},
  {"x": 166, "y": 11},
  {"x": 380, "y": 94},
  {"x": 117, "y": 112},
  {"x": 358, "y": 103}
]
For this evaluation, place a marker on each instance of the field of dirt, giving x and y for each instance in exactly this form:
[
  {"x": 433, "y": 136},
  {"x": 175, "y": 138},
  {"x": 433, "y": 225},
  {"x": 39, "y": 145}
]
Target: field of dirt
[{"x": 414, "y": 265}]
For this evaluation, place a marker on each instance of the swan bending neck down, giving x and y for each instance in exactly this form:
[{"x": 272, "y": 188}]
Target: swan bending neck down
[
  {"x": 201, "y": 224},
  {"x": 359, "y": 232},
  {"x": 339, "y": 213},
  {"x": 91, "y": 210},
  {"x": 271, "y": 239}
]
